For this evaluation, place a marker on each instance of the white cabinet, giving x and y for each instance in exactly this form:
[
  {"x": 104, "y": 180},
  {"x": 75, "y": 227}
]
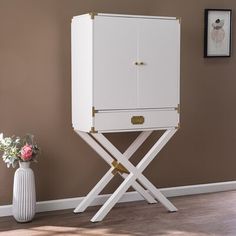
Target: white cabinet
[
  {"x": 125, "y": 72},
  {"x": 125, "y": 77}
]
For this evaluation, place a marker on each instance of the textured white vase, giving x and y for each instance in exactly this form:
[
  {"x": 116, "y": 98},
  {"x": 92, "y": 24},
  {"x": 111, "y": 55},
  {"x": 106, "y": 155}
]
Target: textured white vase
[{"x": 24, "y": 196}]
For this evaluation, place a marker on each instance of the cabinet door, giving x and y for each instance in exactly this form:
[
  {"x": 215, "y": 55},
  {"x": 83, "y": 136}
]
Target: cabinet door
[
  {"x": 159, "y": 49},
  {"x": 115, "y": 51}
]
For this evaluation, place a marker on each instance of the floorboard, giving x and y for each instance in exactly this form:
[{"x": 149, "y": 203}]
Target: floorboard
[{"x": 198, "y": 215}]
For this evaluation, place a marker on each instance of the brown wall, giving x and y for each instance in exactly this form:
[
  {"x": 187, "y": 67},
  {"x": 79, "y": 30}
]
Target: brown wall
[{"x": 35, "y": 98}]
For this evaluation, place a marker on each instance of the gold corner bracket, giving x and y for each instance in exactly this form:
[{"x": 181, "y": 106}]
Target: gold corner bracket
[
  {"x": 93, "y": 131},
  {"x": 92, "y": 15},
  {"x": 178, "y": 108},
  {"x": 178, "y": 126},
  {"x": 93, "y": 111},
  {"x": 179, "y": 18}
]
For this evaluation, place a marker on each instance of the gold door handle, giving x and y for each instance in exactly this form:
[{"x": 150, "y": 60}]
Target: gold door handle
[
  {"x": 139, "y": 63},
  {"x": 137, "y": 120}
]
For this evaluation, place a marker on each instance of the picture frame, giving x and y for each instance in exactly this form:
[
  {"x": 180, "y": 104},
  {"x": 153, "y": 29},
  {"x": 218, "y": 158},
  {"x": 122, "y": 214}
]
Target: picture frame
[{"x": 217, "y": 32}]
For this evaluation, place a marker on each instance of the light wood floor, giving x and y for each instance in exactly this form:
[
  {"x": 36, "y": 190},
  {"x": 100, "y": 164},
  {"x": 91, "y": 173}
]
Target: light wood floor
[{"x": 199, "y": 215}]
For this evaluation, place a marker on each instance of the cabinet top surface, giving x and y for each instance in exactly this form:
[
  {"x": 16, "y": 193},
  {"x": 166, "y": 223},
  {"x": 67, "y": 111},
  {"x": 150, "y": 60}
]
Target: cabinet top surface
[{"x": 126, "y": 16}]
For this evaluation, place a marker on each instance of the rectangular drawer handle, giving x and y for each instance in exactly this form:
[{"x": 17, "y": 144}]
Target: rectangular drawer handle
[{"x": 137, "y": 120}]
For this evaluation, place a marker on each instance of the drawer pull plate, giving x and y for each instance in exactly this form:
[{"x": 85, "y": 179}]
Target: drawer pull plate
[{"x": 137, "y": 120}]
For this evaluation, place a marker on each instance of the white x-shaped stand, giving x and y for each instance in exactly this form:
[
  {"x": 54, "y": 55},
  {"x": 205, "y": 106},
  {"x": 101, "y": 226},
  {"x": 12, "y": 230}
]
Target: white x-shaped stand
[{"x": 132, "y": 174}]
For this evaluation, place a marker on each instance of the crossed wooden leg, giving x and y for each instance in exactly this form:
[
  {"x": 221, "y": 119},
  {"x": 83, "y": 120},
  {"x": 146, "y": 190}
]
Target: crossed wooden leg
[
  {"x": 126, "y": 169},
  {"x": 110, "y": 173}
]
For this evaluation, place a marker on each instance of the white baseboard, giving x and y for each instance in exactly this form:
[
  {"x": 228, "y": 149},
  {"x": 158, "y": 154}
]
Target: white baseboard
[{"x": 70, "y": 203}]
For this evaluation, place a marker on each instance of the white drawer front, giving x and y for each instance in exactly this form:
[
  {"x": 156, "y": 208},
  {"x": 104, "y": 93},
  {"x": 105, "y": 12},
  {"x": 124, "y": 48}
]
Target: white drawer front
[{"x": 135, "y": 120}]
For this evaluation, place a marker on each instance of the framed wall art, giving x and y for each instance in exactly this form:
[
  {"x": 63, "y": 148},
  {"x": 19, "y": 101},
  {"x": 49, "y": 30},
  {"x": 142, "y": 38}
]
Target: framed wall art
[{"x": 217, "y": 35}]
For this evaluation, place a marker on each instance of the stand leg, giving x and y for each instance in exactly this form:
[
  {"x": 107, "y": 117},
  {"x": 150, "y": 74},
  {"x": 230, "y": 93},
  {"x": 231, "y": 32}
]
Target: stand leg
[
  {"x": 143, "y": 192},
  {"x": 128, "y": 153},
  {"x": 94, "y": 192},
  {"x": 104, "y": 147},
  {"x": 108, "y": 176},
  {"x": 158, "y": 195},
  {"x": 113, "y": 199},
  {"x": 135, "y": 172}
]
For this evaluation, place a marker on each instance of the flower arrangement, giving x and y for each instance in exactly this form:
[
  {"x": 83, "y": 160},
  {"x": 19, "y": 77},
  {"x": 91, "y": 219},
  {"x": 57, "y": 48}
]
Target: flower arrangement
[{"x": 16, "y": 149}]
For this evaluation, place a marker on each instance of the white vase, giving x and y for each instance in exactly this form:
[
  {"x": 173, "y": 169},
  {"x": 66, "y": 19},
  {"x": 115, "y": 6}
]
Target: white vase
[{"x": 24, "y": 196}]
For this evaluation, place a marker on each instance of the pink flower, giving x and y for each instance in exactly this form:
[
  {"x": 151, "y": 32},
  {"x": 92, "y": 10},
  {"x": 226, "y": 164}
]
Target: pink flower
[{"x": 26, "y": 152}]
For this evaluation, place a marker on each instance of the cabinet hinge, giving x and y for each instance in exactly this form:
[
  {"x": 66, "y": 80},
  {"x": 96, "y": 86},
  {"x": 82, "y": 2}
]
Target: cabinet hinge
[
  {"x": 93, "y": 130},
  {"x": 93, "y": 111},
  {"x": 178, "y": 108},
  {"x": 92, "y": 15}
]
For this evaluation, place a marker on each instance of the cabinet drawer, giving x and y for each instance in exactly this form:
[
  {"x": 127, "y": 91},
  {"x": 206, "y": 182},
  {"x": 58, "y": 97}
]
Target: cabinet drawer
[{"x": 135, "y": 120}]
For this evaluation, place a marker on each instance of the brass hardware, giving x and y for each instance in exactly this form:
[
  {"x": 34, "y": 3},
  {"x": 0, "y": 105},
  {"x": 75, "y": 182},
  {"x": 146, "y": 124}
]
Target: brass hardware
[
  {"x": 92, "y": 15},
  {"x": 119, "y": 167},
  {"x": 137, "y": 120},
  {"x": 93, "y": 111},
  {"x": 93, "y": 130},
  {"x": 179, "y": 18},
  {"x": 139, "y": 63},
  {"x": 177, "y": 127},
  {"x": 177, "y": 108}
]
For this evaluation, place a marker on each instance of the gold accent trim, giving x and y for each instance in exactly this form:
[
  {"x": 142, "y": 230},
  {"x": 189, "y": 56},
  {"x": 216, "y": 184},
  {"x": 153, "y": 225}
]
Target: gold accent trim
[
  {"x": 92, "y": 15},
  {"x": 94, "y": 111},
  {"x": 137, "y": 120},
  {"x": 178, "y": 127},
  {"x": 93, "y": 130},
  {"x": 178, "y": 108},
  {"x": 179, "y": 18},
  {"x": 119, "y": 167}
]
